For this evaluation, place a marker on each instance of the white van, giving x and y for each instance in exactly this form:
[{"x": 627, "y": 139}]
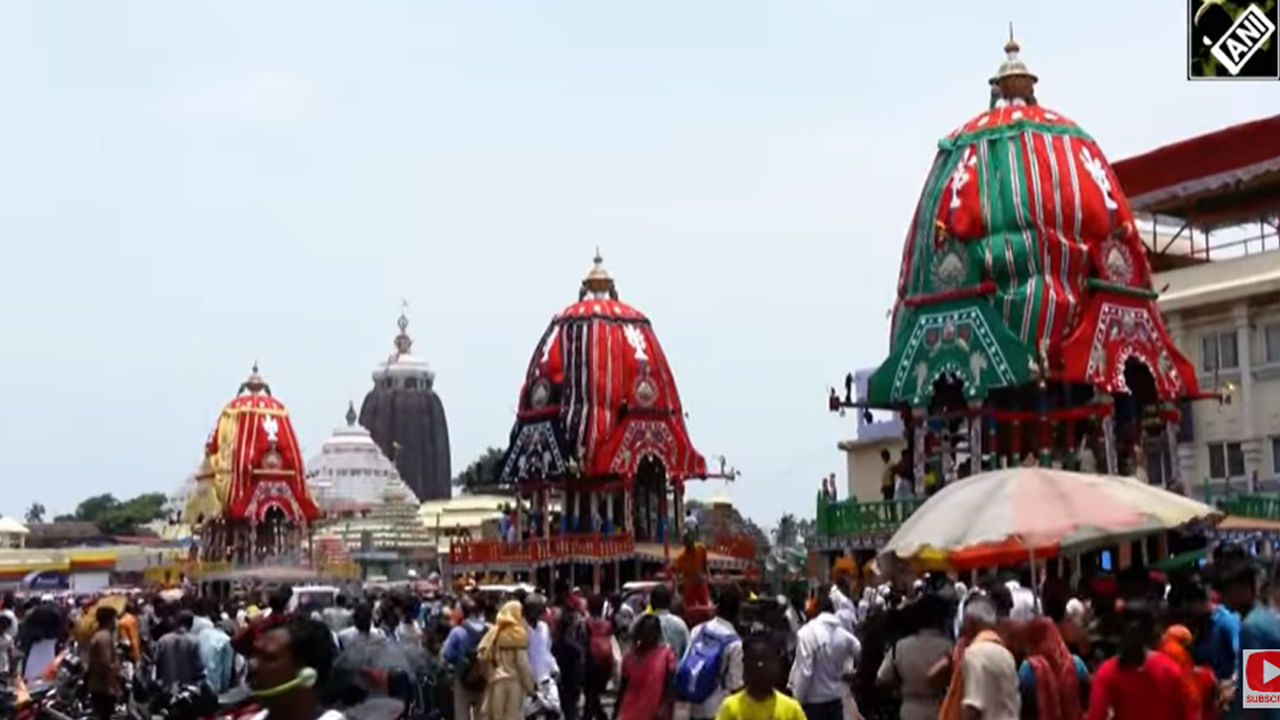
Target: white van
[{"x": 316, "y": 597}]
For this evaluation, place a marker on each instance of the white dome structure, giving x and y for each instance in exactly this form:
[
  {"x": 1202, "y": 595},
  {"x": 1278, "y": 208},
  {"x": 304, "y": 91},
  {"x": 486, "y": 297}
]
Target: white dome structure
[
  {"x": 367, "y": 508},
  {"x": 352, "y": 473}
]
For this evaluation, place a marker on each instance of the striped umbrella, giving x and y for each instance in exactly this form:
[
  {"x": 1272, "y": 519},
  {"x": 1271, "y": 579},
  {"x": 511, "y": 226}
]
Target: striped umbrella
[{"x": 1007, "y": 516}]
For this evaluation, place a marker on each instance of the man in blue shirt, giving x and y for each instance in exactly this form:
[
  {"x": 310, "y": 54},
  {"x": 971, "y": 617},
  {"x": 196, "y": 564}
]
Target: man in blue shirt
[
  {"x": 458, "y": 651},
  {"x": 1260, "y": 629},
  {"x": 1218, "y": 645},
  {"x": 215, "y": 649}
]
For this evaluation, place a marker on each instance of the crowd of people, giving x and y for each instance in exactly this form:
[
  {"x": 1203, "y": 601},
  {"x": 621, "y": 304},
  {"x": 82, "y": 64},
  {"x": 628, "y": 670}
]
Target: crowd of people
[
  {"x": 1135, "y": 645},
  {"x": 468, "y": 656}
]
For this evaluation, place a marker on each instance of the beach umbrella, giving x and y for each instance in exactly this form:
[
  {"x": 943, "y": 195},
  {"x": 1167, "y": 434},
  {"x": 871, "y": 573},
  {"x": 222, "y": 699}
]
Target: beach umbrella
[{"x": 1008, "y": 516}]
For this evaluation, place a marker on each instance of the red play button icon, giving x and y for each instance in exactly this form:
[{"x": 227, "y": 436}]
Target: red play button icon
[{"x": 1262, "y": 671}]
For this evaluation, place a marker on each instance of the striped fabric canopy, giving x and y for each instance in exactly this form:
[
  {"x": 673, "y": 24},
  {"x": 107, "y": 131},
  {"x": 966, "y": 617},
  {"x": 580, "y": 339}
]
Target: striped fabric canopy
[{"x": 1005, "y": 516}]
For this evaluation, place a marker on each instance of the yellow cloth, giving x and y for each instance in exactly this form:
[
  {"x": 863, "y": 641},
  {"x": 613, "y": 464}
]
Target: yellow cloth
[
  {"x": 741, "y": 706},
  {"x": 507, "y": 631},
  {"x": 503, "y": 701}
]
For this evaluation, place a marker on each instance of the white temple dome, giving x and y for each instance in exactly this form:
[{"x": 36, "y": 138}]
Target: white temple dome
[{"x": 352, "y": 472}]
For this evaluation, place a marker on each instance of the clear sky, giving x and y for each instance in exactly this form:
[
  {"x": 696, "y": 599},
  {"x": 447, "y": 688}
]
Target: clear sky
[{"x": 186, "y": 187}]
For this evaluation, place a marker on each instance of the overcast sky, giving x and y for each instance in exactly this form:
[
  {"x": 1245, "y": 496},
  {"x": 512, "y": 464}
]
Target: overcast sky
[{"x": 185, "y": 187}]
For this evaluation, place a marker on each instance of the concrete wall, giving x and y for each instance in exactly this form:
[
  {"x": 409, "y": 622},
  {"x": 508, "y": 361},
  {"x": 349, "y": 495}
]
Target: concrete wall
[
  {"x": 1214, "y": 305},
  {"x": 862, "y": 454},
  {"x": 863, "y": 465}
]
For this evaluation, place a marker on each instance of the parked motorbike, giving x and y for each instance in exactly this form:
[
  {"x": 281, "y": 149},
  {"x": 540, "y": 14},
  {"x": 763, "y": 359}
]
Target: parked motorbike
[
  {"x": 237, "y": 702},
  {"x": 72, "y": 694},
  {"x": 185, "y": 702},
  {"x": 39, "y": 703},
  {"x": 198, "y": 702}
]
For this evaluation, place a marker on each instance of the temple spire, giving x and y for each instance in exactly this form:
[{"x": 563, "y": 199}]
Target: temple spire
[
  {"x": 254, "y": 383},
  {"x": 598, "y": 283},
  {"x": 403, "y": 342},
  {"x": 351, "y": 413},
  {"x": 1013, "y": 83}
]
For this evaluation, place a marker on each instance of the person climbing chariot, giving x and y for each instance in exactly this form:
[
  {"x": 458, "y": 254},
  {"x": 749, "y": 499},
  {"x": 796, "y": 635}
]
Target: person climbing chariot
[{"x": 690, "y": 568}]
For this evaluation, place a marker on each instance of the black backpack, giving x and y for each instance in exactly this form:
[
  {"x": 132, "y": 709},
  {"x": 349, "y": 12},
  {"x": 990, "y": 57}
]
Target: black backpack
[
  {"x": 569, "y": 646},
  {"x": 472, "y": 673}
]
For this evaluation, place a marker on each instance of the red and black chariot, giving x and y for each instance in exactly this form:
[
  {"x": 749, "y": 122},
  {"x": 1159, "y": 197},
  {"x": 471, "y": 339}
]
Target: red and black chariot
[{"x": 599, "y": 454}]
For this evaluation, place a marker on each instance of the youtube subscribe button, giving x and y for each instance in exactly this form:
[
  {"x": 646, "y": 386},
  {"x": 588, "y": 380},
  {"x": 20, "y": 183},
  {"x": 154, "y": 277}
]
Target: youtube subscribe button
[{"x": 1261, "y": 679}]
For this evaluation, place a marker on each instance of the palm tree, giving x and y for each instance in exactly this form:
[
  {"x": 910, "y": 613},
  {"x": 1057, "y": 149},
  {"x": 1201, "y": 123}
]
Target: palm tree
[{"x": 35, "y": 513}]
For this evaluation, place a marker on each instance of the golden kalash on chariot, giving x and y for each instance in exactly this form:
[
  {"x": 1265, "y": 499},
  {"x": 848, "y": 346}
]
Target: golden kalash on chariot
[
  {"x": 598, "y": 456},
  {"x": 249, "y": 506},
  {"x": 1025, "y": 335}
]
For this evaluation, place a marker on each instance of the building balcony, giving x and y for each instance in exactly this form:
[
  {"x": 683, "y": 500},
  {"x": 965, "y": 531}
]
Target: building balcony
[
  {"x": 859, "y": 525},
  {"x": 1257, "y": 507}
]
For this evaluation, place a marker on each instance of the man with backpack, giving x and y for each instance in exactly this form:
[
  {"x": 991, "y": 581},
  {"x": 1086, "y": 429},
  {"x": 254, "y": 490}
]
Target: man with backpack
[
  {"x": 711, "y": 669},
  {"x": 459, "y": 653},
  {"x": 602, "y": 659},
  {"x": 569, "y": 647}
]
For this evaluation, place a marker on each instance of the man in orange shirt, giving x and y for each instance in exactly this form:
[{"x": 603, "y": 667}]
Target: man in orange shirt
[
  {"x": 691, "y": 568},
  {"x": 128, "y": 627}
]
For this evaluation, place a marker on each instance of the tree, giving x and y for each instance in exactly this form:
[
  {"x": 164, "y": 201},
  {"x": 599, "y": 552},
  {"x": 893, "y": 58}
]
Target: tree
[
  {"x": 95, "y": 508},
  {"x": 482, "y": 473},
  {"x": 35, "y": 513},
  {"x": 114, "y": 517}
]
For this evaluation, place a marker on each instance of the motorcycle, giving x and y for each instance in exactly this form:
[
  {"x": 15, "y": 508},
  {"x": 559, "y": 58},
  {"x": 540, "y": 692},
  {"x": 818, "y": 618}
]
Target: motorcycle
[
  {"x": 197, "y": 702},
  {"x": 38, "y": 703},
  {"x": 185, "y": 702},
  {"x": 68, "y": 679},
  {"x": 237, "y": 702}
]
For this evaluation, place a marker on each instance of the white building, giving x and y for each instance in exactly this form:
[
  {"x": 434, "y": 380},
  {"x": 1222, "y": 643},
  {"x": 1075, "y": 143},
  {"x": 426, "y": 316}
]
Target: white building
[
  {"x": 1214, "y": 199},
  {"x": 880, "y": 432},
  {"x": 1225, "y": 316}
]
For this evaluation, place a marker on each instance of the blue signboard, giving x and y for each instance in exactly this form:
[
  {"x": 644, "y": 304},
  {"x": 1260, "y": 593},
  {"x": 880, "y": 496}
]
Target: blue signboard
[{"x": 46, "y": 580}]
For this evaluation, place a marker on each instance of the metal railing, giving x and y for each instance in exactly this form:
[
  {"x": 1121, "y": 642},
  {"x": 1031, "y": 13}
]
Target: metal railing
[{"x": 853, "y": 517}]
